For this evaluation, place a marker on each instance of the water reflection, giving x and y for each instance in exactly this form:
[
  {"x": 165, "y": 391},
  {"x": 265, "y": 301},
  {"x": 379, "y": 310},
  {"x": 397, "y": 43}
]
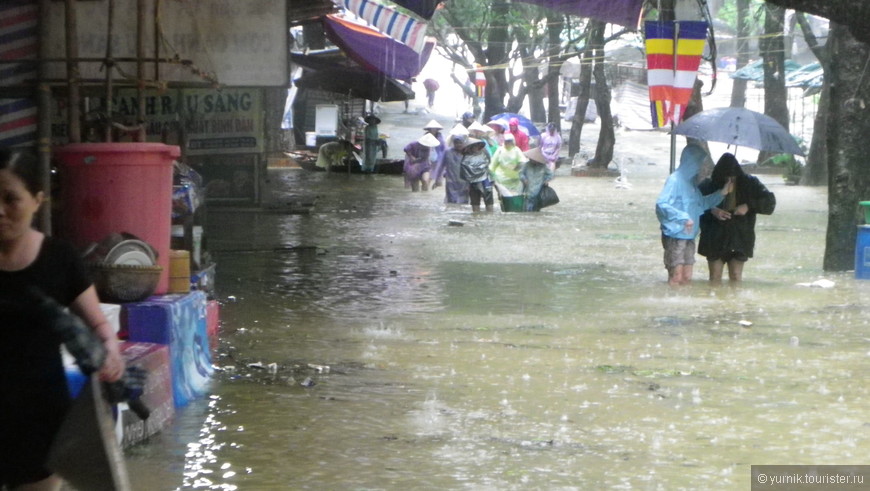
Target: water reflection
[{"x": 515, "y": 351}]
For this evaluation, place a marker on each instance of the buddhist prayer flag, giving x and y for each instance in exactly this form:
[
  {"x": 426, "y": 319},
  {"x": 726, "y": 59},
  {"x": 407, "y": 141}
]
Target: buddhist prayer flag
[
  {"x": 391, "y": 22},
  {"x": 673, "y": 51}
]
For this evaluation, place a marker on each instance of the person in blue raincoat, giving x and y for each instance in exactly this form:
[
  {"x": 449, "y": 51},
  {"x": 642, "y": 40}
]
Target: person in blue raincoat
[{"x": 679, "y": 208}]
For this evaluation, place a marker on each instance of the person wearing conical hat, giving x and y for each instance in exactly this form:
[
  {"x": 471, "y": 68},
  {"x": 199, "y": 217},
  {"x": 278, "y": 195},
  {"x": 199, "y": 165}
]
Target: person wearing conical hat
[
  {"x": 459, "y": 129},
  {"x": 434, "y": 127},
  {"x": 505, "y": 168},
  {"x": 418, "y": 164},
  {"x": 474, "y": 169},
  {"x": 372, "y": 143},
  {"x": 534, "y": 175},
  {"x": 485, "y": 133},
  {"x": 455, "y": 189}
]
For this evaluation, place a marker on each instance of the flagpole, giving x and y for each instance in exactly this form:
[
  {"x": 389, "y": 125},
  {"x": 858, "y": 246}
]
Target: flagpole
[{"x": 673, "y": 164}]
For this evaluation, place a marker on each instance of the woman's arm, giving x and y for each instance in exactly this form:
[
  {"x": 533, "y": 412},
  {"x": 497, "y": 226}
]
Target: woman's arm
[{"x": 87, "y": 306}]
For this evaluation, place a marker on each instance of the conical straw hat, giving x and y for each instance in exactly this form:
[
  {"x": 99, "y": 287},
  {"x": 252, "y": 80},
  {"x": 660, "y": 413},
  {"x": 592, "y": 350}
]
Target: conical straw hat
[
  {"x": 428, "y": 140},
  {"x": 475, "y": 126},
  {"x": 536, "y": 155},
  {"x": 459, "y": 129}
]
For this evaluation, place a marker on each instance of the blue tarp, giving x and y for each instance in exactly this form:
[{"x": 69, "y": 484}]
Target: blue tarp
[
  {"x": 754, "y": 71},
  {"x": 811, "y": 75}
]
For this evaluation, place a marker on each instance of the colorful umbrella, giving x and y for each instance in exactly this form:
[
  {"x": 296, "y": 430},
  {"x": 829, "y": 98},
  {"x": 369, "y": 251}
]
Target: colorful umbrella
[{"x": 525, "y": 123}]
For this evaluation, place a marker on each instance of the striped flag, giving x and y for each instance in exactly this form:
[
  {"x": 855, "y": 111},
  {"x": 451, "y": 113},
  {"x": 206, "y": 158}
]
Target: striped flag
[
  {"x": 19, "y": 21},
  {"x": 673, "y": 51},
  {"x": 393, "y": 23}
]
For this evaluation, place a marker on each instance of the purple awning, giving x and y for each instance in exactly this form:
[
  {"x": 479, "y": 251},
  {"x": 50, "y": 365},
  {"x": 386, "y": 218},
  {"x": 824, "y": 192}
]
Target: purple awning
[
  {"x": 623, "y": 12},
  {"x": 423, "y": 8},
  {"x": 373, "y": 50}
]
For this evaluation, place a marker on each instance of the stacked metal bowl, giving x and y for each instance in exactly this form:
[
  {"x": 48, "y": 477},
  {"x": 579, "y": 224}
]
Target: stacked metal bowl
[{"x": 124, "y": 268}]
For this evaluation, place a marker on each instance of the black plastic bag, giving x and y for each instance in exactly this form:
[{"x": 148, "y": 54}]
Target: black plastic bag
[{"x": 547, "y": 197}]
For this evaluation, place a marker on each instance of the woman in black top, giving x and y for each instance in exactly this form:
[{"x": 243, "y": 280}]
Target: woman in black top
[
  {"x": 33, "y": 391},
  {"x": 728, "y": 230}
]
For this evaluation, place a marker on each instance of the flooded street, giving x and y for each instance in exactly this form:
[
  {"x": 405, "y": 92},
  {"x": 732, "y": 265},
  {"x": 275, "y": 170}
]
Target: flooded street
[{"x": 516, "y": 351}]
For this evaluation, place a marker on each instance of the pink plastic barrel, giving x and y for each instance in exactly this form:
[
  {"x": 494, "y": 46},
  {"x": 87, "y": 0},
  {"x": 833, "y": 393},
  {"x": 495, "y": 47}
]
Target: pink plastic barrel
[{"x": 118, "y": 187}]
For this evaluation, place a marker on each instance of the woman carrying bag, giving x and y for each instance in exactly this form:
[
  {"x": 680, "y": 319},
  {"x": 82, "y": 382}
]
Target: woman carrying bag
[{"x": 535, "y": 175}]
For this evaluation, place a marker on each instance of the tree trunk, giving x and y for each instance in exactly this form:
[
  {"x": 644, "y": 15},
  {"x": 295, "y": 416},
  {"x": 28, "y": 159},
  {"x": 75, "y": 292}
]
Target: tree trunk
[
  {"x": 773, "y": 62},
  {"x": 532, "y": 89},
  {"x": 849, "y": 176},
  {"x": 738, "y": 89},
  {"x": 606, "y": 136},
  {"x": 773, "y": 56},
  {"x": 816, "y": 171},
  {"x": 555, "y": 26},
  {"x": 696, "y": 105},
  {"x": 586, "y": 60},
  {"x": 496, "y": 54}
]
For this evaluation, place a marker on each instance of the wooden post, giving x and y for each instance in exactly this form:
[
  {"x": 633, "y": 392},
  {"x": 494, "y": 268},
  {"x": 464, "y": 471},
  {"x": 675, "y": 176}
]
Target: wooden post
[
  {"x": 43, "y": 122},
  {"x": 140, "y": 67},
  {"x": 110, "y": 64},
  {"x": 72, "y": 73}
]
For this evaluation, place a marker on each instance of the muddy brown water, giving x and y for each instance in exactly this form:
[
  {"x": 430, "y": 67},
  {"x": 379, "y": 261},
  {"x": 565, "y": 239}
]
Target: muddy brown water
[{"x": 516, "y": 351}]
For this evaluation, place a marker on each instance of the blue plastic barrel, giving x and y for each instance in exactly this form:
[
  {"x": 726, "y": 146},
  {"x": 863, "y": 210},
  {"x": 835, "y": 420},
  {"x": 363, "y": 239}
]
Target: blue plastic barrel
[{"x": 862, "y": 253}]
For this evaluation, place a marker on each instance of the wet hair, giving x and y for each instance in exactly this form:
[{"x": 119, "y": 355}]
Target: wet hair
[
  {"x": 23, "y": 165},
  {"x": 726, "y": 167},
  {"x": 551, "y": 126}
]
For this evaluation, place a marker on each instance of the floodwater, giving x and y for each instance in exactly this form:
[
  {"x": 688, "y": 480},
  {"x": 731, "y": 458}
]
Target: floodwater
[{"x": 516, "y": 351}]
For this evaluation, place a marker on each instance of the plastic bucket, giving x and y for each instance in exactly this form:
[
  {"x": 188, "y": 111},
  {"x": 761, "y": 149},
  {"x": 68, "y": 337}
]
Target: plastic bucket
[
  {"x": 862, "y": 253},
  {"x": 118, "y": 187},
  {"x": 512, "y": 203}
]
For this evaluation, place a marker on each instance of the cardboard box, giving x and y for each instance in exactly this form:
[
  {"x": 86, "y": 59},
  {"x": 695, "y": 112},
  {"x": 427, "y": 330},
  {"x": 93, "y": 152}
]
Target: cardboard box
[
  {"x": 157, "y": 393},
  {"x": 178, "y": 321}
]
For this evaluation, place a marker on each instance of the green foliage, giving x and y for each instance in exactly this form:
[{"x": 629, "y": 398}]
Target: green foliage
[{"x": 728, "y": 15}]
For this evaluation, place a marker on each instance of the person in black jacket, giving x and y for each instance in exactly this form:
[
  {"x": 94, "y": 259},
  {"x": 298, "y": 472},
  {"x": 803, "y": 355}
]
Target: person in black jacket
[{"x": 728, "y": 230}]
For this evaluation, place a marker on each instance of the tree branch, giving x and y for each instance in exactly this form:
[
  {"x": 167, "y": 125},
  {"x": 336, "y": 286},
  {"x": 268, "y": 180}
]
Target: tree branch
[{"x": 851, "y": 13}]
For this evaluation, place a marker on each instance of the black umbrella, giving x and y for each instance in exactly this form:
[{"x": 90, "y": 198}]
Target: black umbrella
[{"x": 356, "y": 83}]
